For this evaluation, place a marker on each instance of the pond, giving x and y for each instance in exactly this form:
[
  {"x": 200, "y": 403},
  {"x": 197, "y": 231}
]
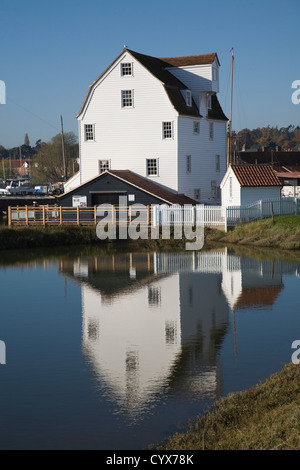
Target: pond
[{"x": 118, "y": 351}]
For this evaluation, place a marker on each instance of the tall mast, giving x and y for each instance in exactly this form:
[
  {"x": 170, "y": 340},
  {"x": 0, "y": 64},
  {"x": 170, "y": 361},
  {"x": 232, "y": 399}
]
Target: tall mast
[{"x": 230, "y": 119}]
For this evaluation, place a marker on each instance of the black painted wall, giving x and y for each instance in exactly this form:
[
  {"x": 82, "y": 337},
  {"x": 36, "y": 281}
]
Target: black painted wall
[{"x": 108, "y": 183}]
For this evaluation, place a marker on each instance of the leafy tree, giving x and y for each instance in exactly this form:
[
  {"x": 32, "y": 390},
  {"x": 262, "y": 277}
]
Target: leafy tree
[
  {"x": 26, "y": 140},
  {"x": 48, "y": 165}
]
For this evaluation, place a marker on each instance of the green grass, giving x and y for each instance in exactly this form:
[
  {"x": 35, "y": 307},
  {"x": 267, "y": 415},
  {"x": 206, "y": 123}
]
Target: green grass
[
  {"x": 283, "y": 232},
  {"x": 38, "y": 237},
  {"x": 265, "y": 417}
]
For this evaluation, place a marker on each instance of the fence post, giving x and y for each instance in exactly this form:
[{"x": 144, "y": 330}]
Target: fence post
[
  {"x": 44, "y": 219},
  {"x": 9, "y": 216},
  {"x": 78, "y": 217},
  {"x": 148, "y": 215},
  {"x": 272, "y": 212},
  {"x": 226, "y": 227},
  {"x": 95, "y": 215},
  {"x": 260, "y": 205},
  {"x": 26, "y": 215},
  {"x": 60, "y": 215}
]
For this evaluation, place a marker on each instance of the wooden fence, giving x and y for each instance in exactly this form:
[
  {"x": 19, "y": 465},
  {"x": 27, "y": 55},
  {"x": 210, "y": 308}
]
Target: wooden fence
[
  {"x": 84, "y": 216},
  {"x": 154, "y": 215}
]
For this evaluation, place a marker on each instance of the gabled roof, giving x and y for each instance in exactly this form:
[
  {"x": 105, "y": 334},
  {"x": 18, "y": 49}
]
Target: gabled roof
[
  {"x": 255, "y": 175},
  {"x": 144, "y": 184},
  {"x": 152, "y": 188},
  {"x": 159, "y": 68},
  {"x": 185, "y": 61},
  {"x": 258, "y": 296}
]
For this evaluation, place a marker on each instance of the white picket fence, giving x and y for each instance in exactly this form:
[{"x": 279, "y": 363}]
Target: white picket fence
[{"x": 223, "y": 216}]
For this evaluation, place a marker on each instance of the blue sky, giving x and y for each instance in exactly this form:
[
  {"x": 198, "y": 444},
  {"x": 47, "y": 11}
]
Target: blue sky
[{"x": 51, "y": 51}]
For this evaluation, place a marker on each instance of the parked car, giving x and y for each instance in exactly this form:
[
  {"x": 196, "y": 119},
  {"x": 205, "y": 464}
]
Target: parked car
[{"x": 4, "y": 192}]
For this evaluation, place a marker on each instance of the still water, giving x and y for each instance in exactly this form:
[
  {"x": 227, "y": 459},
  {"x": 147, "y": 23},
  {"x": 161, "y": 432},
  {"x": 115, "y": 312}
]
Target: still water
[{"x": 119, "y": 351}]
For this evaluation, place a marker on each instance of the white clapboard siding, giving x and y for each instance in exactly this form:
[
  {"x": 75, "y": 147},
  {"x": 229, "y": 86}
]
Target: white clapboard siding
[
  {"x": 203, "y": 153},
  {"x": 128, "y": 136}
]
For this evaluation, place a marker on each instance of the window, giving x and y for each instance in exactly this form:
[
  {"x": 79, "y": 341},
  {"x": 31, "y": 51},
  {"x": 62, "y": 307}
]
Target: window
[
  {"x": 188, "y": 98},
  {"x": 211, "y": 131},
  {"x": 196, "y": 127},
  {"x": 154, "y": 296},
  {"x": 89, "y": 132},
  {"x": 127, "y": 98},
  {"x": 215, "y": 73},
  {"x": 218, "y": 163},
  {"x": 209, "y": 102},
  {"x": 230, "y": 187},
  {"x": 197, "y": 194},
  {"x": 126, "y": 69},
  {"x": 152, "y": 166},
  {"x": 104, "y": 165},
  {"x": 188, "y": 163},
  {"x": 171, "y": 332},
  {"x": 167, "y": 130}
]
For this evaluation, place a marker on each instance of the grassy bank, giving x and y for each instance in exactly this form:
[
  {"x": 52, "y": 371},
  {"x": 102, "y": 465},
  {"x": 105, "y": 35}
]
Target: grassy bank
[
  {"x": 39, "y": 237},
  {"x": 266, "y": 417},
  {"x": 283, "y": 232}
]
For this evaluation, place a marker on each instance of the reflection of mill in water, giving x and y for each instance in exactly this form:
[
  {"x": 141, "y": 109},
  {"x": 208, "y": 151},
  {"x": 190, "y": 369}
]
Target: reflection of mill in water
[{"x": 152, "y": 321}]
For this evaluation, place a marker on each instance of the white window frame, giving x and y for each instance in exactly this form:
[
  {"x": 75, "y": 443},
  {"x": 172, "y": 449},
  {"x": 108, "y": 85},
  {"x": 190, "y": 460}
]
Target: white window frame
[
  {"x": 167, "y": 130},
  {"x": 196, "y": 127},
  {"x": 209, "y": 102},
  {"x": 103, "y": 165},
  {"x": 188, "y": 163},
  {"x": 230, "y": 187},
  {"x": 127, "y": 98},
  {"x": 215, "y": 73},
  {"x": 211, "y": 131},
  {"x": 188, "y": 98},
  {"x": 89, "y": 134},
  {"x": 151, "y": 164},
  {"x": 126, "y": 69}
]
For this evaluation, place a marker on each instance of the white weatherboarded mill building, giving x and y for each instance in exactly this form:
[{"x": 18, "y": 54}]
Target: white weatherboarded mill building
[{"x": 159, "y": 118}]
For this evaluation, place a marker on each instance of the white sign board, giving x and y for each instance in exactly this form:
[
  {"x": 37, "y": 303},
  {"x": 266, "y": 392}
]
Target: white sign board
[{"x": 79, "y": 201}]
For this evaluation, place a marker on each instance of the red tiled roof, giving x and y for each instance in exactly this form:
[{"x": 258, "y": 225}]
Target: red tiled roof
[
  {"x": 152, "y": 188},
  {"x": 256, "y": 175},
  {"x": 144, "y": 184},
  {"x": 258, "y": 296}
]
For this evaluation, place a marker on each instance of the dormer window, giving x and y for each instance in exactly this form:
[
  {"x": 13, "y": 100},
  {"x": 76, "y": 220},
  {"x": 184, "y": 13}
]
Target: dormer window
[
  {"x": 188, "y": 98},
  {"x": 126, "y": 68},
  {"x": 209, "y": 102},
  {"x": 215, "y": 73}
]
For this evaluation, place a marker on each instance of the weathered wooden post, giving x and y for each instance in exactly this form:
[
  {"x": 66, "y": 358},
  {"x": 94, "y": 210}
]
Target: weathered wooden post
[
  {"x": 60, "y": 215},
  {"x": 26, "y": 215},
  {"x": 78, "y": 216},
  {"x": 272, "y": 211},
  {"x": 9, "y": 216},
  {"x": 44, "y": 218}
]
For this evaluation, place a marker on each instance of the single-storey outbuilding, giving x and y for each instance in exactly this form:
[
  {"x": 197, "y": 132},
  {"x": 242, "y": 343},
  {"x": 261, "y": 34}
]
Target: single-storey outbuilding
[
  {"x": 245, "y": 184},
  {"x": 107, "y": 188}
]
